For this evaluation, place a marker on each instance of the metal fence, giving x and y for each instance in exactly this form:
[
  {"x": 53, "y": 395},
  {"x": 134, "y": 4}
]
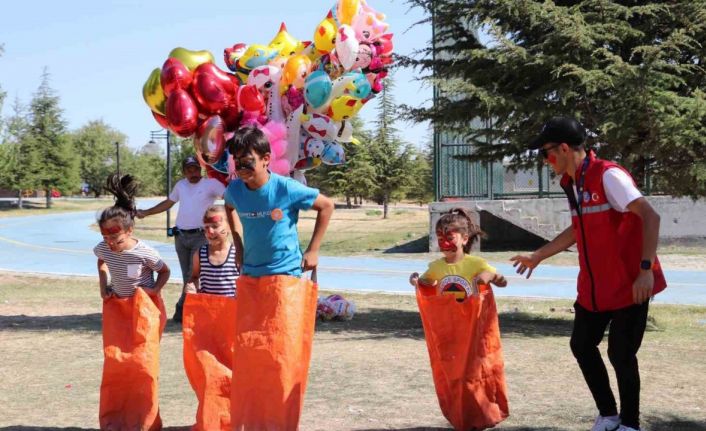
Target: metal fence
[{"x": 456, "y": 177}]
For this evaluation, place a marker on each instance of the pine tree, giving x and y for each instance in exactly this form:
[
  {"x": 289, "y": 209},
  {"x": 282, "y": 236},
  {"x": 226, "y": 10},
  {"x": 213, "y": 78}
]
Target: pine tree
[
  {"x": 391, "y": 157},
  {"x": 19, "y": 161},
  {"x": 47, "y": 131},
  {"x": 632, "y": 72}
]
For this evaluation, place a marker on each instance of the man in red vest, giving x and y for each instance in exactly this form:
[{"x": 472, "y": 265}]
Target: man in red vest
[{"x": 616, "y": 231}]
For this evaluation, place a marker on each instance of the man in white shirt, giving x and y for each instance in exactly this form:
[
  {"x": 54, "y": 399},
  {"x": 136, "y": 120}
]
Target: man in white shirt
[{"x": 195, "y": 195}]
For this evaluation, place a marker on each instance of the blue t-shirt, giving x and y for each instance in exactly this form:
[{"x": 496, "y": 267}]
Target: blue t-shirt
[{"x": 269, "y": 216}]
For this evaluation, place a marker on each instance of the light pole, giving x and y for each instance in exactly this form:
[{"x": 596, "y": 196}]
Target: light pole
[
  {"x": 164, "y": 134},
  {"x": 117, "y": 157}
]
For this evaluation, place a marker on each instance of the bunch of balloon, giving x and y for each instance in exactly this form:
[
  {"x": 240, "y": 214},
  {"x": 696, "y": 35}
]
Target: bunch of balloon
[
  {"x": 192, "y": 97},
  {"x": 302, "y": 94}
]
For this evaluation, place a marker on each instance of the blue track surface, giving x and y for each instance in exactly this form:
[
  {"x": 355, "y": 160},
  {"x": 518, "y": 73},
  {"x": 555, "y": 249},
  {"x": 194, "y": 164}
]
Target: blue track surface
[{"x": 63, "y": 244}]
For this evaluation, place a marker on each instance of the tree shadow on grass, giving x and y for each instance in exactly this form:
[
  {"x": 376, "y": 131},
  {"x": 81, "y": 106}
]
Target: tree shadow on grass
[
  {"x": 673, "y": 423},
  {"x": 70, "y": 322},
  {"x": 380, "y": 323},
  {"x": 419, "y": 245}
]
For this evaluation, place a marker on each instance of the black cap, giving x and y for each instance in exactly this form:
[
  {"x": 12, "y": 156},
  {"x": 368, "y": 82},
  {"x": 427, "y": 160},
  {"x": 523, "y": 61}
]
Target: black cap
[
  {"x": 560, "y": 130},
  {"x": 190, "y": 160}
]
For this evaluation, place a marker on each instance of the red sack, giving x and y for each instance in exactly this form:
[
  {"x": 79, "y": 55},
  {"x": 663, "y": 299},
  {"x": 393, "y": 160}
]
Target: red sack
[
  {"x": 463, "y": 339},
  {"x": 129, "y": 394},
  {"x": 274, "y": 332},
  {"x": 209, "y": 333}
]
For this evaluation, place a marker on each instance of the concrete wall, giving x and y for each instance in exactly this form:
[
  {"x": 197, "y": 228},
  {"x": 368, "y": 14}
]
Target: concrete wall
[{"x": 681, "y": 218}]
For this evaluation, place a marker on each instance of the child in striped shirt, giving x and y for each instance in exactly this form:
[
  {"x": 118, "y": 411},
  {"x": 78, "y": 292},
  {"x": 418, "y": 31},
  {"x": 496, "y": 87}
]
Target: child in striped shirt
[
  {"x": 129, "y": 262},
  {"x": 213, "y": 267}
]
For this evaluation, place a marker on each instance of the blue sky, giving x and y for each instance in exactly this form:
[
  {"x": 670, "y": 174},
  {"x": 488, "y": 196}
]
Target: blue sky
[{"x": 99, "y": 54}]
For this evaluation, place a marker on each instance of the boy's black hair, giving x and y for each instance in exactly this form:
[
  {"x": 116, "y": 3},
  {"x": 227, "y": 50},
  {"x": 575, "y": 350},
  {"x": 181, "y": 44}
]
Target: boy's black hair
[
  {"x": 246, "y": 139},
  {"x": 124, "y": 189},
  {"x": 458, "y": 220}
]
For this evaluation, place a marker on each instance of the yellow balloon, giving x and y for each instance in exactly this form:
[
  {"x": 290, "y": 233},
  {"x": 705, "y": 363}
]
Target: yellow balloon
[
  {"x": 192, "y": 59},
  {"x": 295, "y": 71},
  {"x": 325, "y": 35},
  {"x": 284, "y": 43},
  {"x": 152, "y": 92},
  {"x": 344, "y": 107},
  {"x": 347, "y": 9}
]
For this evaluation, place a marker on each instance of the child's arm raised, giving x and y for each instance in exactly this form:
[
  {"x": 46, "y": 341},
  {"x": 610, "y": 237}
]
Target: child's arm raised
[
  {"x": 324, "y": 207},
  {"x": 103, "y": 279}
]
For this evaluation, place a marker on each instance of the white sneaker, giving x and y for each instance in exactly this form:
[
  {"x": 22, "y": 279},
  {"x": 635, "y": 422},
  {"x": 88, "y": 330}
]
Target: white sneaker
[
  {"x": 610, "y": 423},
  {"x": 624, "y": 428}
]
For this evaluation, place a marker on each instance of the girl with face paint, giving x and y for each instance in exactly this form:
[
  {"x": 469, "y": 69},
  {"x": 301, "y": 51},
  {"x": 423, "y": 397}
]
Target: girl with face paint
[
  {"x": 460, "y": 321},
  {"x": 214, "y": 268},
  {"x": 456, "y": 233},
  {"x": 127, "y": 261},
  {"x": 133, "y": 315},
  {"x": 208, "y": 322}
]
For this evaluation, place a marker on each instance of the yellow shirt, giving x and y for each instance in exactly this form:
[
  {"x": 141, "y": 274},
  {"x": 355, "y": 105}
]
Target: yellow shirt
[{"x": 457, "y": 278}]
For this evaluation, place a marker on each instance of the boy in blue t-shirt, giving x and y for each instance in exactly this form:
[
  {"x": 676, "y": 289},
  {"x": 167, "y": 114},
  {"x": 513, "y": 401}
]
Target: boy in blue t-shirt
[
  {"x": 267, "y": 205},
  {"x": 274, "y": 324}
]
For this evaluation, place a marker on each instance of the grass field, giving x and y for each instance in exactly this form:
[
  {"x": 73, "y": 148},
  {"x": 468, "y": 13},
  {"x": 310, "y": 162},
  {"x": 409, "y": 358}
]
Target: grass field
[{"x": 371, "y": 373}]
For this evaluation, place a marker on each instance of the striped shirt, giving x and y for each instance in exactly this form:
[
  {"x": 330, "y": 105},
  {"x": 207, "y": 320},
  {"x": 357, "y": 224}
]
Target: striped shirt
[
  {"x": 217, "y": 279},
  {"x": 130, "y": 268}
]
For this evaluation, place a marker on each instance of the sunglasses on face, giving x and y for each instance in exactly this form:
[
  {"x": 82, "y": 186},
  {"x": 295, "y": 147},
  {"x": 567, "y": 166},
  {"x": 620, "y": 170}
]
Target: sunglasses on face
[
  {"x": 544, "y": 152},
  {"x": 245, "y": 164}
]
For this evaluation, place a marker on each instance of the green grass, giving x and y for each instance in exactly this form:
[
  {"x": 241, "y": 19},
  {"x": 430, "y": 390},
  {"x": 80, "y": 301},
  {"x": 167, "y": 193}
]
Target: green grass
[{"x": 369, "y": 373}]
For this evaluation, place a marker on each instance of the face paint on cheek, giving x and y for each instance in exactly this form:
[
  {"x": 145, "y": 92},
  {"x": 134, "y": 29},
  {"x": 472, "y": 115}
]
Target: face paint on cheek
[
  {"x": 552, "y": 159},
  {"x": 445, "y": 244}
]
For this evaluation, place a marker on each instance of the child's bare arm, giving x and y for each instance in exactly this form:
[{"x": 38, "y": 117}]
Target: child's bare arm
[
  {"x": 324, "y": 207},
  {"x": 193, "y": 283},
  {"x": 162, "y": 278},
  {"x": 103, "y": 279},
  {"x": 236, "y": 229}
]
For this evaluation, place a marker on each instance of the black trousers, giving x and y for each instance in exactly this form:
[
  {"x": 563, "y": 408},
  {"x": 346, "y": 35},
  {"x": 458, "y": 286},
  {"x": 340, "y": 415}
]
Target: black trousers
[{"x": 627, "y": 326}]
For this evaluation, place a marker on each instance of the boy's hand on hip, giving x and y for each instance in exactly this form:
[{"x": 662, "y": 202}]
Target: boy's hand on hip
[
  {"x": 642, "y": 287},
  {"x": 310, "y": 260}
]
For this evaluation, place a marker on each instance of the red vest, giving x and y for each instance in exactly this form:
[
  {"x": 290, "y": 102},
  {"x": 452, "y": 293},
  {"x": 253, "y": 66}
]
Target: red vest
[{"x": 609, "y": 242}]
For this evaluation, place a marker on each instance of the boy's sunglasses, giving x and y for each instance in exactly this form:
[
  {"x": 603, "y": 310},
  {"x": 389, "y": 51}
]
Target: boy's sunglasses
[
  {"x": 244, "y": 164},
  {"x": 544, "y": 152}
]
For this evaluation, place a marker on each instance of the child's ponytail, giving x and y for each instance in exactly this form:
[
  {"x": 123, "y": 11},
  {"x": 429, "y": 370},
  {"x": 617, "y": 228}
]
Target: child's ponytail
[{"x": 124, "y": 189}]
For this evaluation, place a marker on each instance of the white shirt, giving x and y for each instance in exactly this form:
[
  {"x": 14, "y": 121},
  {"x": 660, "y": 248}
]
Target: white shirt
[
  {"x": 619, "y": 189},
  {"x": 194, "y": 200}
]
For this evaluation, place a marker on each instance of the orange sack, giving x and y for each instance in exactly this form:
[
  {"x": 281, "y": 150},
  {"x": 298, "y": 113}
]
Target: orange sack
[
  {"x": 209, "y": 333},
  {"x": 274, "y": 330},
  {"x": 132, "y": 329},
  {"x": 463, "y": 339}
]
